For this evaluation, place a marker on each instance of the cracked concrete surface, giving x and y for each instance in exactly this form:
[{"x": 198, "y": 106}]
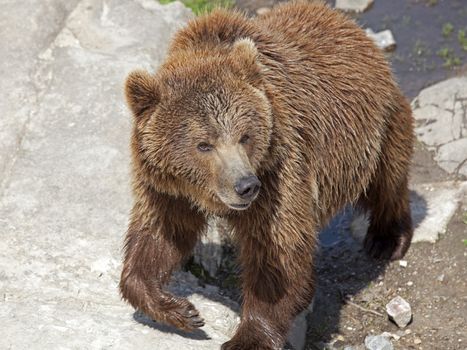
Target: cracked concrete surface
[{"x": 441, "y": 115}]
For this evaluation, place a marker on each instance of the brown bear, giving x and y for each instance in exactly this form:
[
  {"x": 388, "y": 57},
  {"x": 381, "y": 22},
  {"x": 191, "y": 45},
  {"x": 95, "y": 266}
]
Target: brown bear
[{"x": 274, "y": 123}]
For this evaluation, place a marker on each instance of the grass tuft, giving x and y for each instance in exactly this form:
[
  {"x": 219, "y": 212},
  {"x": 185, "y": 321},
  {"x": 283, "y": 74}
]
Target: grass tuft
[{"x": 200, "y": 7}]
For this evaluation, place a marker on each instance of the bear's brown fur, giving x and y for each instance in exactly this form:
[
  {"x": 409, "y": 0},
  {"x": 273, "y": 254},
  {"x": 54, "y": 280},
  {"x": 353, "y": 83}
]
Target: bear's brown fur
[{"x": 298, "y": 98}]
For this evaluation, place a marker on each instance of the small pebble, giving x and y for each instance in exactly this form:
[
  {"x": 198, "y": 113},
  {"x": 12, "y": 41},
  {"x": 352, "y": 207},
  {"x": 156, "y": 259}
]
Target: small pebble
[
  {"x": 391, "y": 335},
  {"x": 353, "y": 5},
  {"x": 384, "y": 40},
  {"x": 399, "y": 311},
  {"x": 410, "y": 283},
  {"x": 378, "y": 342},
  {"x": 403, "y": 263},
  {"x": 440, "y": 278},
  {"x": 417, "y": 341}
]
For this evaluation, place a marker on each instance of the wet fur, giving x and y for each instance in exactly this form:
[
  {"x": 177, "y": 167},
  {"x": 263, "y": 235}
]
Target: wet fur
[{"x": 341, "y": 132}]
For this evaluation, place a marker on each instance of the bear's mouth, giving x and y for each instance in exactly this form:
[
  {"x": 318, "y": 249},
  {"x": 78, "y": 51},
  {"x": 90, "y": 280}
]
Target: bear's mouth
[{"x": 239, "y": 206}]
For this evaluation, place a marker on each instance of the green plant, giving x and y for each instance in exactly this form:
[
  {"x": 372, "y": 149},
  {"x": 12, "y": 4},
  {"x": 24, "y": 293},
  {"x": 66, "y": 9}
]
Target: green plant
[
  {"x": 447, "y": 30},
  {"x": 202, "y": 6},
  {"x": 450, "y": 59},
  {"x": 462, "y": 38},
  {"x": 465, "y": 242}
]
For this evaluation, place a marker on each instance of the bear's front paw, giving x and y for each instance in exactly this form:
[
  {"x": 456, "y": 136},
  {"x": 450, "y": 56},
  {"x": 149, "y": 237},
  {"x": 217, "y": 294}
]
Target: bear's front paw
[{"x": 178, "y": 312}]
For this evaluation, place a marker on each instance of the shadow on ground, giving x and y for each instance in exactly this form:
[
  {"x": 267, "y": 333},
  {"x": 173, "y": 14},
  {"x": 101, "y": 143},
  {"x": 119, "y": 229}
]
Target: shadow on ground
[{"x": 198, "y": 334}]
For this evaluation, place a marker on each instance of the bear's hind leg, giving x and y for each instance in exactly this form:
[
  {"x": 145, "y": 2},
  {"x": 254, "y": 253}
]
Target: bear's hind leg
[
  {"x": 387, "y": 198},
  {"x": 390, "y": 231}
]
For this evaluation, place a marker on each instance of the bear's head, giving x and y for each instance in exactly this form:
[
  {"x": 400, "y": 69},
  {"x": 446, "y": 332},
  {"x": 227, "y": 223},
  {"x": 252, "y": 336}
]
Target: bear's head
[{"x": 205, "y": 121}]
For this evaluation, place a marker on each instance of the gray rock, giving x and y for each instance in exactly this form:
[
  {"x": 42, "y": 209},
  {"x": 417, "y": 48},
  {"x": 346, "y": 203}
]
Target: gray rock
[
  {"x": 384, "y": 40},
  {"x": 378, "y": 342},
  {"x": 399, "y": 311},
  {"x": 441, "y": 115},
  {"x": 433, "y": 205},
  {"x": 353, "y": 5}
]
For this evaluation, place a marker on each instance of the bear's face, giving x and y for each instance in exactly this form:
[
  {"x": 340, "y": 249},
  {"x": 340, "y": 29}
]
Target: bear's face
[{"x": 206, "y": 122}]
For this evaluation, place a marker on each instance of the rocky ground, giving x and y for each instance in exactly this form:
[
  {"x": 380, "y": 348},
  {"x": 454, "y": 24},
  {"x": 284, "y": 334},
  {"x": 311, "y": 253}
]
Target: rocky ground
[{"x": 64, "y": 199}]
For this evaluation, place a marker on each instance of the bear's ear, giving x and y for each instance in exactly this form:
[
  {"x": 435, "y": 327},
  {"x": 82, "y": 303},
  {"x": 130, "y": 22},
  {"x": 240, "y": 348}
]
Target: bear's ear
[
  {"x": 141, "y": 91},
  {"x": 244, "y": 58}
]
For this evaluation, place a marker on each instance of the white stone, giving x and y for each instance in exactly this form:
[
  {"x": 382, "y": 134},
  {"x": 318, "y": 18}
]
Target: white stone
[
  {"x": 384, "y": 39},
  {"x": 399, "y": 311},
  {"x": 353, "y": 5},
  {"x": 378, "y": 342},
  {"x": 403, "y": 263}
]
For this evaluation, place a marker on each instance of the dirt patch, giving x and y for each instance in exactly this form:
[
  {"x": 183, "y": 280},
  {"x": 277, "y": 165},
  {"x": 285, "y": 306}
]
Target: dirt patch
[{"x": 353, "y": 288}]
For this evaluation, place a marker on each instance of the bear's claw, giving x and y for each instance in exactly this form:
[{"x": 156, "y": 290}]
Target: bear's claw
[{"x": 181, "y": 314}]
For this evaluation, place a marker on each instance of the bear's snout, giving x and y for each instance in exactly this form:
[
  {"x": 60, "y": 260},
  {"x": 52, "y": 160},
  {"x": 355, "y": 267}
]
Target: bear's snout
[{"x": 247, "y": 187}]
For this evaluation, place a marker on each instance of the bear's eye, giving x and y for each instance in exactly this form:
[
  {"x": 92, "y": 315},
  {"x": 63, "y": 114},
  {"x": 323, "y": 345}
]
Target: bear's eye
[
  {"x": 245, "y": 139},
  {"x": 205, "y": 147}
]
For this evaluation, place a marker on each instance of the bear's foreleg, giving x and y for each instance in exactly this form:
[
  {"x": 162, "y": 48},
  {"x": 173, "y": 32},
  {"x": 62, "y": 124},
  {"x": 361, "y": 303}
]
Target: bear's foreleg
[
  {"x": 277, "y": 266},
  {"x": 162, "y": 232}
]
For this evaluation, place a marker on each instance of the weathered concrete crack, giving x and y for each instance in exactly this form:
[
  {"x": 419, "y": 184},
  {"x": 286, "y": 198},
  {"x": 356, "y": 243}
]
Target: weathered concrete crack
[{"x": 39, "y": 86}]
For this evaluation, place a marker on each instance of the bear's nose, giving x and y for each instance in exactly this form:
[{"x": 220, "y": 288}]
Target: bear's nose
[{"x": 247, "y": 187}]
